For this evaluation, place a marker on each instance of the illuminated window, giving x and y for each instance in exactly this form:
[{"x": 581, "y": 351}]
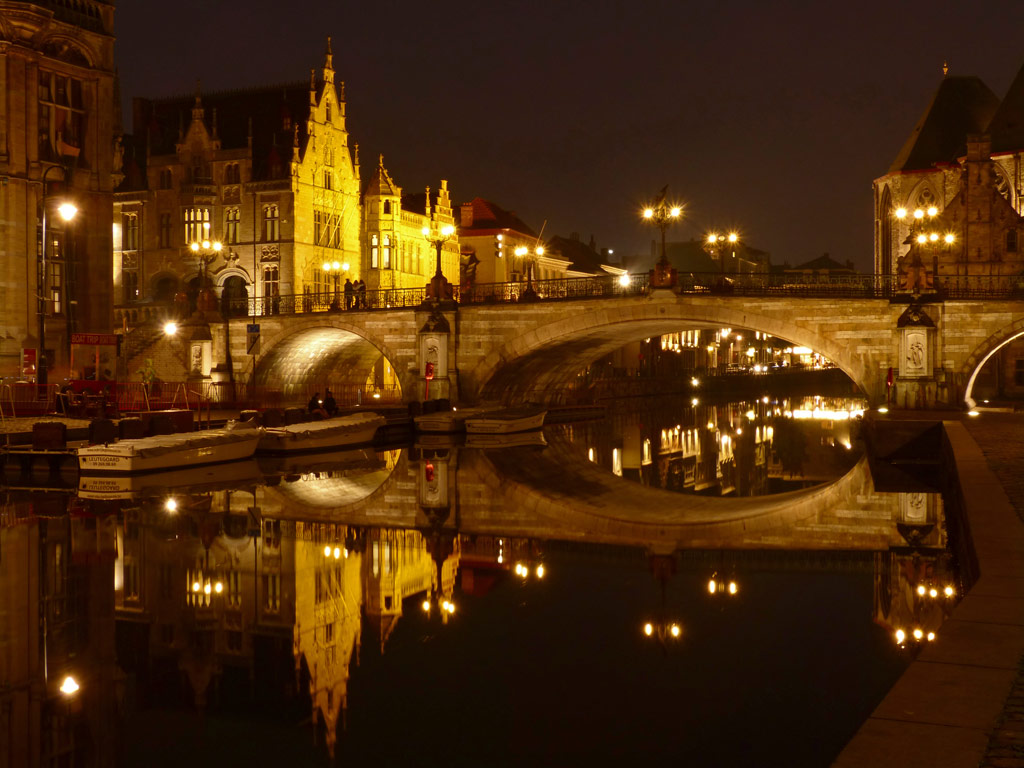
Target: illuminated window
[
  {"x": 271, "y": 592},
  {"x": 374, "y": 251},
  {"x": 386, "y": 253},
  {"x": 328, "y": 180},
  {"x": 271, "y": 223},
  {"x": 129, "y": 231},
  {"x": 61, "y": 117},
  {"x": 232, "y": 218},
  {"x": 318, "y": 227},
  {"x": 197, "y": 224}
]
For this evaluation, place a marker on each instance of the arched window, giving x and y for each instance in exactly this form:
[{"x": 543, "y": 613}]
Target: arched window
[
  {"x": 387, "y": 207},
  {"x": 386, "y": 255},
  {"x": 374, "y": 251}
]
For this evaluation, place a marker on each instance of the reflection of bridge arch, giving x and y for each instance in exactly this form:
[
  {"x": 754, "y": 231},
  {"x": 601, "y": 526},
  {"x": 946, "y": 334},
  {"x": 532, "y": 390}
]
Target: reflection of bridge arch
[
  {"x": 331, "y": 347},
  {"x": 557, "y": 348},
  {"x": 985, "y": 352}
]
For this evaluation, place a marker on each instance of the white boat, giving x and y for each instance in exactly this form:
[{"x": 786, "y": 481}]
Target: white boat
[
  {"x": 183, "y": 449},
  {"x": 445, "y": 422},
  {"x": 354, "y": 429},
  {"x": 506, "y": 421}
]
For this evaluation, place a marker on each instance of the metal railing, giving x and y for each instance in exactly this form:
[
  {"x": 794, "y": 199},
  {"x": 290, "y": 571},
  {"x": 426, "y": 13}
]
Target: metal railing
[{"x": 760, "y": 284}]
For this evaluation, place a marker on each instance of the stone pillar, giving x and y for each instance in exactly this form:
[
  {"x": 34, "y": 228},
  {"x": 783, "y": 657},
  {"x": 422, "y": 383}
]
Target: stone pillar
[
  {"x": 434, "y": 357},
  {"x": 916, "y": 381}
]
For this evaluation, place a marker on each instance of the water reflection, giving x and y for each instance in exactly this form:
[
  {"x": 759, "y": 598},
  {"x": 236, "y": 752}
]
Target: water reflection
[
  {"x": 305, "y": 588},
  {"x": 748, "y": 447}
]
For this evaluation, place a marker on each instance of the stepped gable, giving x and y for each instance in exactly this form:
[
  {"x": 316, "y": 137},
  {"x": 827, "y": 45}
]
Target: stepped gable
[
  {"x": 960, "y": 106},
  {"x": 1007, "y": 125},
  {"x": 274, "y": 110}
]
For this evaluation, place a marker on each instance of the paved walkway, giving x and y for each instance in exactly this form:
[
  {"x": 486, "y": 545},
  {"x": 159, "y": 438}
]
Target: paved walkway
[{"x": 1001, "y": 439}]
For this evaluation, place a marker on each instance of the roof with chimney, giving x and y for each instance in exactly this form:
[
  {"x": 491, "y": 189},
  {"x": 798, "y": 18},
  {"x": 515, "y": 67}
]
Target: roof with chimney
[{"x": 488, "y": 216}]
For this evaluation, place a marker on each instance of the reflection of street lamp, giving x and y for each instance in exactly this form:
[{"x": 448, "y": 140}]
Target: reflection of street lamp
[
  {"x": 663, "y": 215},
  {"x": 70, "y": 686},
  {"x": 66, "y": 210},
  {"x": 439, "y": 288}
]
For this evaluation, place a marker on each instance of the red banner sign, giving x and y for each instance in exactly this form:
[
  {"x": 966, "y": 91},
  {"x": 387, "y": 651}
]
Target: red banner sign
[{"x": 101, "y": 339}]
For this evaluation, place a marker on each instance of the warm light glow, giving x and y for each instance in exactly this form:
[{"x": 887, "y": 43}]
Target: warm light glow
[
  {"x": 901, "y": 213},
  {"x": 934, "y": 236},
  {"x": 948, "y": 591},
  {"x": 918, "y": 634},
  {"x": 67, "y": 212},
  {"x": 196, "y": 586},
  {"x": 345, "y": 266},
  {"x": 207, "y": 589},
  {"x": 194, "y": 247},
  {"x": 171, "y": 505},
  {"x": 448, "y": 230},
  {"x": 206, "y": 245},
  {"x": 921, "y": 590},
  {"x": 69, "y": 686},
  {"x": 426, "y": 606},
  {"x": 624, "y": 279},
  {"x": 675, "y": 212},
  {"x": 425, "y": 231},
  {"x": 712, "y": 586},
  {"x": 933, "y": 592},
  {"x": 337, "y": 553},
  {"x": 883, "y": 409},
  {"x": 733, "y": 587},
  {"x": 900, "y": 636},
  {"x": 733, "y": 237},
  {"x": 694, "y": 401},
  {"x": 326, "y": 267},
  {"x": 711, "y": 425},
  {"x": 648, "y": 213},
  {"x": 336, "y": 266},
  {"x": 170, "y": 328},
  {"x": 521, "y": 250},
  {"x": 327, "y": 551},
  {"x": 540, "y": 571},
  {"x": 950, "y": 238},
  {"x": 712, "y": 239},
  {"x": 674, "y": 629},
  {"x": 217, "y": 246},
  {"x": 933, "y": 211},
  {"x": 973, "y": 413},
  {"x": 694, "y": 382},
  {"x": 648, "y": 629},
  {"x": 922, "y": 239},
  {"x": 931, "y": 636},
  {"x": 218, "y": 587},
  {"x": 918, "y": 214}
]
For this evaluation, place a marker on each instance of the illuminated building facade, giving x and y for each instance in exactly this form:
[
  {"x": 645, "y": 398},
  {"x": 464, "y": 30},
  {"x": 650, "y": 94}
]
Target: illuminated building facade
[{"x": 57, "y": 140}]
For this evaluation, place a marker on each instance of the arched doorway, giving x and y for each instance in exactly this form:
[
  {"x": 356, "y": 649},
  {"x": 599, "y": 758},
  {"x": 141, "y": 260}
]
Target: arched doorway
[
  {"x": 164, "y": 288},
  {"x": 234, "y": 297}
]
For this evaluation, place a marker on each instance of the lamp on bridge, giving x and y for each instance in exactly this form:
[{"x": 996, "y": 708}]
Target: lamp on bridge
[
  {"x": 716, "y": 245},
  {"x": 530, "y": 294},
  {"x": 66, "y": 210},
  {"x": 334, "y": 269},
  {"x": 439, "y": 289},
  {"x": 923, "y": 235},
  {"x": 663, "y": 215},
  {"x": 206, "y": 250}
]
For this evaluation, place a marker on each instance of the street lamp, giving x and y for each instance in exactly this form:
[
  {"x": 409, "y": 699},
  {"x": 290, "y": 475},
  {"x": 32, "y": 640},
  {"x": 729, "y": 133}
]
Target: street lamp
[
  {"x": 662, "y": 215},
  {"x": 715, "y": 245},
  {"x": 67, "y": 211},
  {"x": 334, "y": 269},
  {"x": 439, "y": 289},
  {"x": 923, "y": 234},
  {"x": 206, "y": 250},
  {"x": 530, "y": 294}
]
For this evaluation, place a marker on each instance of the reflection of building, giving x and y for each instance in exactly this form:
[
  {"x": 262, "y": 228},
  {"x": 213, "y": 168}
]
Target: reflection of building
[{"x": 57, "y": 125}]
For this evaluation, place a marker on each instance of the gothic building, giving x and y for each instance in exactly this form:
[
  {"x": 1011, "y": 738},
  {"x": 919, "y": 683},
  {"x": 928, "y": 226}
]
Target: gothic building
[
  {"x": 951, "y": 203},
  {"x": 57, "y": 127},
  {"x": 269, "y": 173}
]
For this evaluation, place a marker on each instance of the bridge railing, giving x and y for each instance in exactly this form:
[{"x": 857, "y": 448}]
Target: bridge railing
[{"x": 611, "y": 286}]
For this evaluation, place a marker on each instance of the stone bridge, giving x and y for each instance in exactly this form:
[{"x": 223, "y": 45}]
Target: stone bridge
[{"x": 502, "y": 351}]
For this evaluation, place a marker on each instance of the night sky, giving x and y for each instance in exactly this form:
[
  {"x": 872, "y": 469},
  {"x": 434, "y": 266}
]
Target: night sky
[{"x": 773, "y": 118}]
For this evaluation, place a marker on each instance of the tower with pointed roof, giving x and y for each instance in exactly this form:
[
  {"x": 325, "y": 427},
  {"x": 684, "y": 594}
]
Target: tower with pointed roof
[
  {"x": 57, "y": 131},
  {"x": 961, "y": 167}
]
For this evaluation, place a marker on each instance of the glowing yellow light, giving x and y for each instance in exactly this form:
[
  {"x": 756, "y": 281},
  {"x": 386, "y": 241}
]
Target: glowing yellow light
[
  {"x": 674, "y": 629},
  {"x": 196, "y": 586},
  {"x": 425, "y": 231},
  {"x": 345, "y": 266},
  {"x": 171, "y": 505},
  {"x": 624, "y": 279},
  {"x": 918, "y": 214},
  {"x": 973, "y": 413},
  {"x": 648, "y": 213},
  {"x": 426, "y": 606},
  {"x": 521, "y": 250},
  {"x": 675, "y": 211},
  {"x": 206, "y": 588},
  {"x": 750, "y": 414},
  {"x": 901, "y": 213},
  {"x": 336, "y": 266},
  {"x": 764, "y": 399},
  {"x": 170, "y": 328},
  {"x": 739, "y": 430},
  {"x": 883, "y": 409},
  {"x": 69, "y": 686},
  {"x": 218, "y": 587},
  {"x": 950, "y": 238},
  {"x": 934, "y": 236},
  {"x": 933, "y": 211},
  {"x": 345, "y": 553},
  {"x": 733, "y": 237},
  {"x": 500, "y": 237},
  {"x": 918, "y": 634},
  {"x": 920, "y": 590},
  {"x": 900, "y": 636},
  {"x": 948, "y": 591},
  {"x": 711, "y": 425},
  {"x": 694, "y": 382},
  {"x": 194, "y": 247},
  {"x": 712, "y": 586},
  {"x": 540, "y": 571},
  {"x": 733, "y": 587},
  {"x": 933, "y": 592},
  {"x": 712, "y": 239},
  {"x": 447, "y": 230},
  {"x": 206, "y": 245},
  {"x": 337, "y": 553},
  {"x": 327, "y": 551},
  {"x": 648, "y": 629},
  {"x": 922, "y": 238},
  {"x": 326, "y": 267},
  {"x": 539, "y": 250},
  {"x": 931, "y": 636},
  {"x": 216, "y": 245},
  {"x": 67, "y": 211}
]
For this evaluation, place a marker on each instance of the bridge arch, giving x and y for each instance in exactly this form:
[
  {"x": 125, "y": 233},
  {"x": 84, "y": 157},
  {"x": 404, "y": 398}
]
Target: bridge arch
[
  {"x": 556, "y": 349},
  {"x": 976, "y": 361},
  {"x": 324, "y": 347}
]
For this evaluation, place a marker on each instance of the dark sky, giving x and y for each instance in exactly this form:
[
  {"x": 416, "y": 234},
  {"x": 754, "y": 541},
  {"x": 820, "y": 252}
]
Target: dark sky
[{"x": 771, "y": 117}]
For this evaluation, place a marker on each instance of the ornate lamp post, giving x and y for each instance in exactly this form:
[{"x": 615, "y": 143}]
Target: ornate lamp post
[
  {"x": 923, "y": 234},
  {"x": 715, "y": 245},
  {"x": 662, "y": 215},
  {"x": 530, "y": 294},
  {"x": 334, "y": 269},
  {"x": 67, "y": 211},
  {"x": 439, "y": 289},
  {"x": 207, "y": 251}
]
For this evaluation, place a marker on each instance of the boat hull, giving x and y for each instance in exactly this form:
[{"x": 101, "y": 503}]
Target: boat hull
[
  {"x": 500, "y": 423},
  {"x": 319, "y": 436},
  {"x": 95, "y": 460}
]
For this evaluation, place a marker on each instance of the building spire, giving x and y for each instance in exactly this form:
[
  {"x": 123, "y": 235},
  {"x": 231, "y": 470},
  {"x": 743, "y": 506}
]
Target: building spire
[
  {"x": 329, "y": 64},
  {"x": 312, "y": 87},
  {"x": 197, "y": 108}
]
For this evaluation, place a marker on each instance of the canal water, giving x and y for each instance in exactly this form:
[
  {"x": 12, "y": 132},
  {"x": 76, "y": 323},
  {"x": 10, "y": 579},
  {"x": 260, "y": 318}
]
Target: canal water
[{"x": 453, "y": 605}]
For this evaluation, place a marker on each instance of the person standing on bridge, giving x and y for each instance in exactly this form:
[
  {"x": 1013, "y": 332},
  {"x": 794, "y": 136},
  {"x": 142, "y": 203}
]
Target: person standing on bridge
[
  {"x": 348, "y": 293},
  {"x": 361, "y": 300}
]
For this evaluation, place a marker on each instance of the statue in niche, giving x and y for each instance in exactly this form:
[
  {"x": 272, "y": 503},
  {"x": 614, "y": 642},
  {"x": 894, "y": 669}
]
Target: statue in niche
[{"x": 197, "y": 358}]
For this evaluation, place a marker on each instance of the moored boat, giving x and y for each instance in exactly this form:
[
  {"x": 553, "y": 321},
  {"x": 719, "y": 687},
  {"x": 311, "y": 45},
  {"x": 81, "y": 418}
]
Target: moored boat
[
  {"x": 506, "y": 440},
  {"x": 182, "y": 449},
  {"x": 506, "y": 421},
  {"x": 445, "y": 421},
  {"x": 354, "y": 429}
]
